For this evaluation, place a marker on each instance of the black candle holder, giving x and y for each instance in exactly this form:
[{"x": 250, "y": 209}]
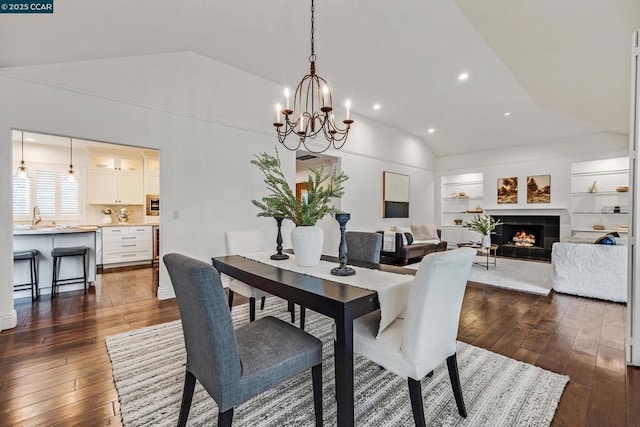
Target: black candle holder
[
  {"x": 279, "y": 255},
  {"x": 343, "y": 270}
]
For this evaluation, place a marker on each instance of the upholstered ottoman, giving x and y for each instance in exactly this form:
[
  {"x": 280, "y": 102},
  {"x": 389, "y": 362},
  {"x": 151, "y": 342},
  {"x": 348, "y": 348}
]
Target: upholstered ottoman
[{"x": 595, "y": 271}]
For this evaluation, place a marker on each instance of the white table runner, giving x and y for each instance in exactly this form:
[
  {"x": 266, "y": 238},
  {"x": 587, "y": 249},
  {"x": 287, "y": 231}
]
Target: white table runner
[{"x": 392, "y": 288}]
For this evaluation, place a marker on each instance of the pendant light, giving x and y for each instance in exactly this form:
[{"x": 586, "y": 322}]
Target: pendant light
[
  {"x": 71, "y": 175},
  {"x": 21, "y": 172}
]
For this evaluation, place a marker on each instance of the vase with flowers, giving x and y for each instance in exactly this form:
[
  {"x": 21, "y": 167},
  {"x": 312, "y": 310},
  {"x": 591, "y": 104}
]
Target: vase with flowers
[
  {"x": 307, "y": 238},
  {"x": 483, "y": 224},
  {"x": 106, "y": 215}
]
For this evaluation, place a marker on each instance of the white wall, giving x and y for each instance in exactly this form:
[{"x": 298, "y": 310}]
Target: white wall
[{"x": 207, "y": 120}]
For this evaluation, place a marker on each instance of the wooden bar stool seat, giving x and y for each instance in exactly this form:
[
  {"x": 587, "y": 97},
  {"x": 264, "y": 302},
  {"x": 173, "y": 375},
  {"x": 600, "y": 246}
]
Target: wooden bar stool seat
[
  {"x": 30, "y": 255},
  {"x": 58, "y": 254}
]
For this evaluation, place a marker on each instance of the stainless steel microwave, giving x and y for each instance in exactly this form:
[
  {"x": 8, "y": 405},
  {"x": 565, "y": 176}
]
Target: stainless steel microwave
[{"x": 153, "y": 204}]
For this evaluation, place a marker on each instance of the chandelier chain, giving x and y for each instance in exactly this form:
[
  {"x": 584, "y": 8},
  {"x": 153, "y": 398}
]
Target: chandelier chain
[{"x": 312, "y": 58}]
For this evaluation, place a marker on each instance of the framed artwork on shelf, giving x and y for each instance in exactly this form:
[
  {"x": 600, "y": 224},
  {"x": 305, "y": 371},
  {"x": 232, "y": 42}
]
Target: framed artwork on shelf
[
  {"x": 508, "y": 190},
  {"x": 539, "y": 189},
  {"x": 395, "y": 195}
]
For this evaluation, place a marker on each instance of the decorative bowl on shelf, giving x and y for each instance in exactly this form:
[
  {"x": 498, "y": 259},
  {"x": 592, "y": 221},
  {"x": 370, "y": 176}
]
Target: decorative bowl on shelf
[
  {"x": 622, "y": 189},
  {"x": 598, "y": 227},
  {"x": 457, "y": 221}
]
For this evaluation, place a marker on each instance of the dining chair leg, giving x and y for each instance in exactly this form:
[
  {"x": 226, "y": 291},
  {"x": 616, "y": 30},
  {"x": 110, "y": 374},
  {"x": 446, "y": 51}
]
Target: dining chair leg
[
  {"x": 303, "y": 313},
  {"x": 225, "y": 418},
  {"x": 187, "y": 395},
  {"x": 415, "y": 393},
  {"x": 252, "y": 309},
  {"x": 316, "y": 377},
  {"x": 452, "y": 365},
  {"x": 262, "y": 303},
  {"x": 230, "y": 298}
]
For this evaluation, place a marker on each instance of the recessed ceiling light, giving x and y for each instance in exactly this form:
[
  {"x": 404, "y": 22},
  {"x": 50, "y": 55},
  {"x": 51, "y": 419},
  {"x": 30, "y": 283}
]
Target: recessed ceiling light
[
  {"x": 376, "y": 106},
  {"x": 463, "y": 76},
  {"x": 431, "y": 130},
  {"x": 507, "y": 113},
  {"x": 30, "y": 139}
]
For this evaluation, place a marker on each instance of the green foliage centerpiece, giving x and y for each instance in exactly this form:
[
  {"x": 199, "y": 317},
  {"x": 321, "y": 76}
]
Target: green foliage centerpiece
[
  {"x": 483, "y": 224},
  {"x": 281, "y": 202}
]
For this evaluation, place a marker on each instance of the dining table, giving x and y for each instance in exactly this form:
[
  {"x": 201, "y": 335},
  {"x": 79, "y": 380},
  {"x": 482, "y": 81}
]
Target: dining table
[{"x": 340, "y": 301}]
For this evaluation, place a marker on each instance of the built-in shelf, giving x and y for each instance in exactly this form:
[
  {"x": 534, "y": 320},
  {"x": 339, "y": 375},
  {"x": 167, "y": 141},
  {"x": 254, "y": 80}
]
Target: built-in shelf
[
  {"x": 593, "y": 189},
  {"x": 600, "y": 193},
  {"x": 453, "y": 207},
  {"x": 463, "y": 198},
  {"x": 600, "y": 213}
]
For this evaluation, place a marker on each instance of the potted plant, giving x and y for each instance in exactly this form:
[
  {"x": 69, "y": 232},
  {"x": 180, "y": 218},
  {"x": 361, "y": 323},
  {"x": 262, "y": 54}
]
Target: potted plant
[
  {"x": 483, "y": 224},
  {"x": 306, "y": 238}
]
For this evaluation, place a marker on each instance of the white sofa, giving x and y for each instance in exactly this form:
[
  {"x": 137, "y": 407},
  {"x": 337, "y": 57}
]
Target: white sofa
[{"x": 595, "y": 271}]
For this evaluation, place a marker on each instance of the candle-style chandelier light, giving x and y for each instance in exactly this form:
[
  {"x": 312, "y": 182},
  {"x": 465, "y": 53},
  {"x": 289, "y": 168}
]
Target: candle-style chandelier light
[{"x": 312, "y": 111}]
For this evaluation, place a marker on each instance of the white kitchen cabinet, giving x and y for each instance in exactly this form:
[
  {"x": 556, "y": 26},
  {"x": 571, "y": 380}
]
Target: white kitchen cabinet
[
  {"x": 108, "y": 187},
  {"x": 125, "y": 244},
  {"x": 153, "y": 183},
  {"x": 115, "y": 179}
]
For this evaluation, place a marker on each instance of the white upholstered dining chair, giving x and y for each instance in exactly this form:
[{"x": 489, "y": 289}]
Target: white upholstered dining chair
[
  {"x": 413, "y": 345},
  {"x": 241, "y": 242}
]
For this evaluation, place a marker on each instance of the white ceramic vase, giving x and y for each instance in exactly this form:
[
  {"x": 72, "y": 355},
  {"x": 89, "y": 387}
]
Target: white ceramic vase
[
  {"x": 486, "y": 241},
  {"x": 307, "y": 245},
  {"x": 106, "y": 219}
]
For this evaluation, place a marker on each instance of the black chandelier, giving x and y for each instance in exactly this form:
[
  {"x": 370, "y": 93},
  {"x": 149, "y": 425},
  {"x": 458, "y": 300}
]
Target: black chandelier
[{"x": 312, "y": 111}]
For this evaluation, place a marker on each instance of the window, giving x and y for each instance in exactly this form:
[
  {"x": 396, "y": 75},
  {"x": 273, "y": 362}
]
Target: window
[
  {"x": 21, "y": 196},
  {"x": 46, "y": 187}
]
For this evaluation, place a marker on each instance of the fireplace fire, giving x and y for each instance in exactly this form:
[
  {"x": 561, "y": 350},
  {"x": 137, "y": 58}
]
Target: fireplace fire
[{"x": 521, "y": 238}]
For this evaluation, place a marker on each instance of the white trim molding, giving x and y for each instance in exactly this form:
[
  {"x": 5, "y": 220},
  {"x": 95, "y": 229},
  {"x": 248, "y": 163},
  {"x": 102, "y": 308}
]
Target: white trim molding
[{"x": 9, "y": 321}]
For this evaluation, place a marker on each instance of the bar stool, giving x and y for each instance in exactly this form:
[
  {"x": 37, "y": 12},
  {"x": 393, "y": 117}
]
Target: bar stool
[
  {"x": 31, "y": 256},
  {"x": 58, "y": 254}
]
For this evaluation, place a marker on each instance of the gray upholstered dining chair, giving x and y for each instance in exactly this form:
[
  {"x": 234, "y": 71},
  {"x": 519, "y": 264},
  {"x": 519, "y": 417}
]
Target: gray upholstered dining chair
[
  {"x": 419, "y": 340},
  {"x": 234, "y": 366},
  {"x": 239, "y": 242},
  {"x": 363, "y": 246}
]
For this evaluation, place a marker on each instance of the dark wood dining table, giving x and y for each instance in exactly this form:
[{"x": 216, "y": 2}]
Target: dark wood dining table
[{"x": 342, "y": 302}]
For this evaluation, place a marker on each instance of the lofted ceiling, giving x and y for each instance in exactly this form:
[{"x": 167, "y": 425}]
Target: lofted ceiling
[{"x": 562, "y": 69}]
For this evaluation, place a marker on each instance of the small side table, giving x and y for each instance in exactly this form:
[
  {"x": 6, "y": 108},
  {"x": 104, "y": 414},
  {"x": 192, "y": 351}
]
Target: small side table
[{"x": 489, "y": 252}]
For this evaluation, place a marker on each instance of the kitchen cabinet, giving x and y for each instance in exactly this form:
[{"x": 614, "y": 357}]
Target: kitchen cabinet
[
  {"x": 115, "y": 180},
  {"x": 152, "y": 175},
  {"x": 125, "y": 244}
]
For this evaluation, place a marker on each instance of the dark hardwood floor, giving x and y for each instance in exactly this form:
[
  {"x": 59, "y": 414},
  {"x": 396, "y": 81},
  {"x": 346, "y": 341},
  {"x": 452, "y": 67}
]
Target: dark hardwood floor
[{"x": 54, "y": 367}]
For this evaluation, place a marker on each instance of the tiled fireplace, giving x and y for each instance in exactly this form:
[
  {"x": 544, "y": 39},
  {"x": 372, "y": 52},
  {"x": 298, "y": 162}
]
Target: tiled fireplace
[{"x": 526, "y": 236}]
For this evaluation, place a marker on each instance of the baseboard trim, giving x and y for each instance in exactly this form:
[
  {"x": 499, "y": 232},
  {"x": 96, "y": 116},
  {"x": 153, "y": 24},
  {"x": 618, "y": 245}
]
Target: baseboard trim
[
  {"x": 166, "y": 293},
  {"x": 9, "y": 321}
]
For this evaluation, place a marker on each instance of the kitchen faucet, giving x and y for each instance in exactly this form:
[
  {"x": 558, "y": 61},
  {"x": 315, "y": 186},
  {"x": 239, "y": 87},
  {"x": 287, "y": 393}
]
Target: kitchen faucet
[{"x": 36, "y": 216}]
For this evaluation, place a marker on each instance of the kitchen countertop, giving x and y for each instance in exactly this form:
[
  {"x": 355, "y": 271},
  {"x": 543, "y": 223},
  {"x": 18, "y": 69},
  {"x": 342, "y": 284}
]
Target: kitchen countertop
[
  {"x": 53, "y": 230},
  {"x": 128, "y": 224}
]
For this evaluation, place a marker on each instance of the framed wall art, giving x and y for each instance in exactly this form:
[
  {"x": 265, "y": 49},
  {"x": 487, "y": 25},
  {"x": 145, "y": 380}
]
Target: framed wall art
[
  {"x": 508, "y": 190},
  {"x": 395, "y": 195},
  {"x": 539, "y": 189}
]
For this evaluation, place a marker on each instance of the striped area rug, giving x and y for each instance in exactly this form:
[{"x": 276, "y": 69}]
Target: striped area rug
[{"x": 148, "y": 370}]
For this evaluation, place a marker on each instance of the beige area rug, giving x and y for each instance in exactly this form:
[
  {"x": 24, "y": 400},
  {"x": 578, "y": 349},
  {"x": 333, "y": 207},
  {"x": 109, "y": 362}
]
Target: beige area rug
[
  {"x": 526, "y": 276},
  {"x": 148, "y": 370}
]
